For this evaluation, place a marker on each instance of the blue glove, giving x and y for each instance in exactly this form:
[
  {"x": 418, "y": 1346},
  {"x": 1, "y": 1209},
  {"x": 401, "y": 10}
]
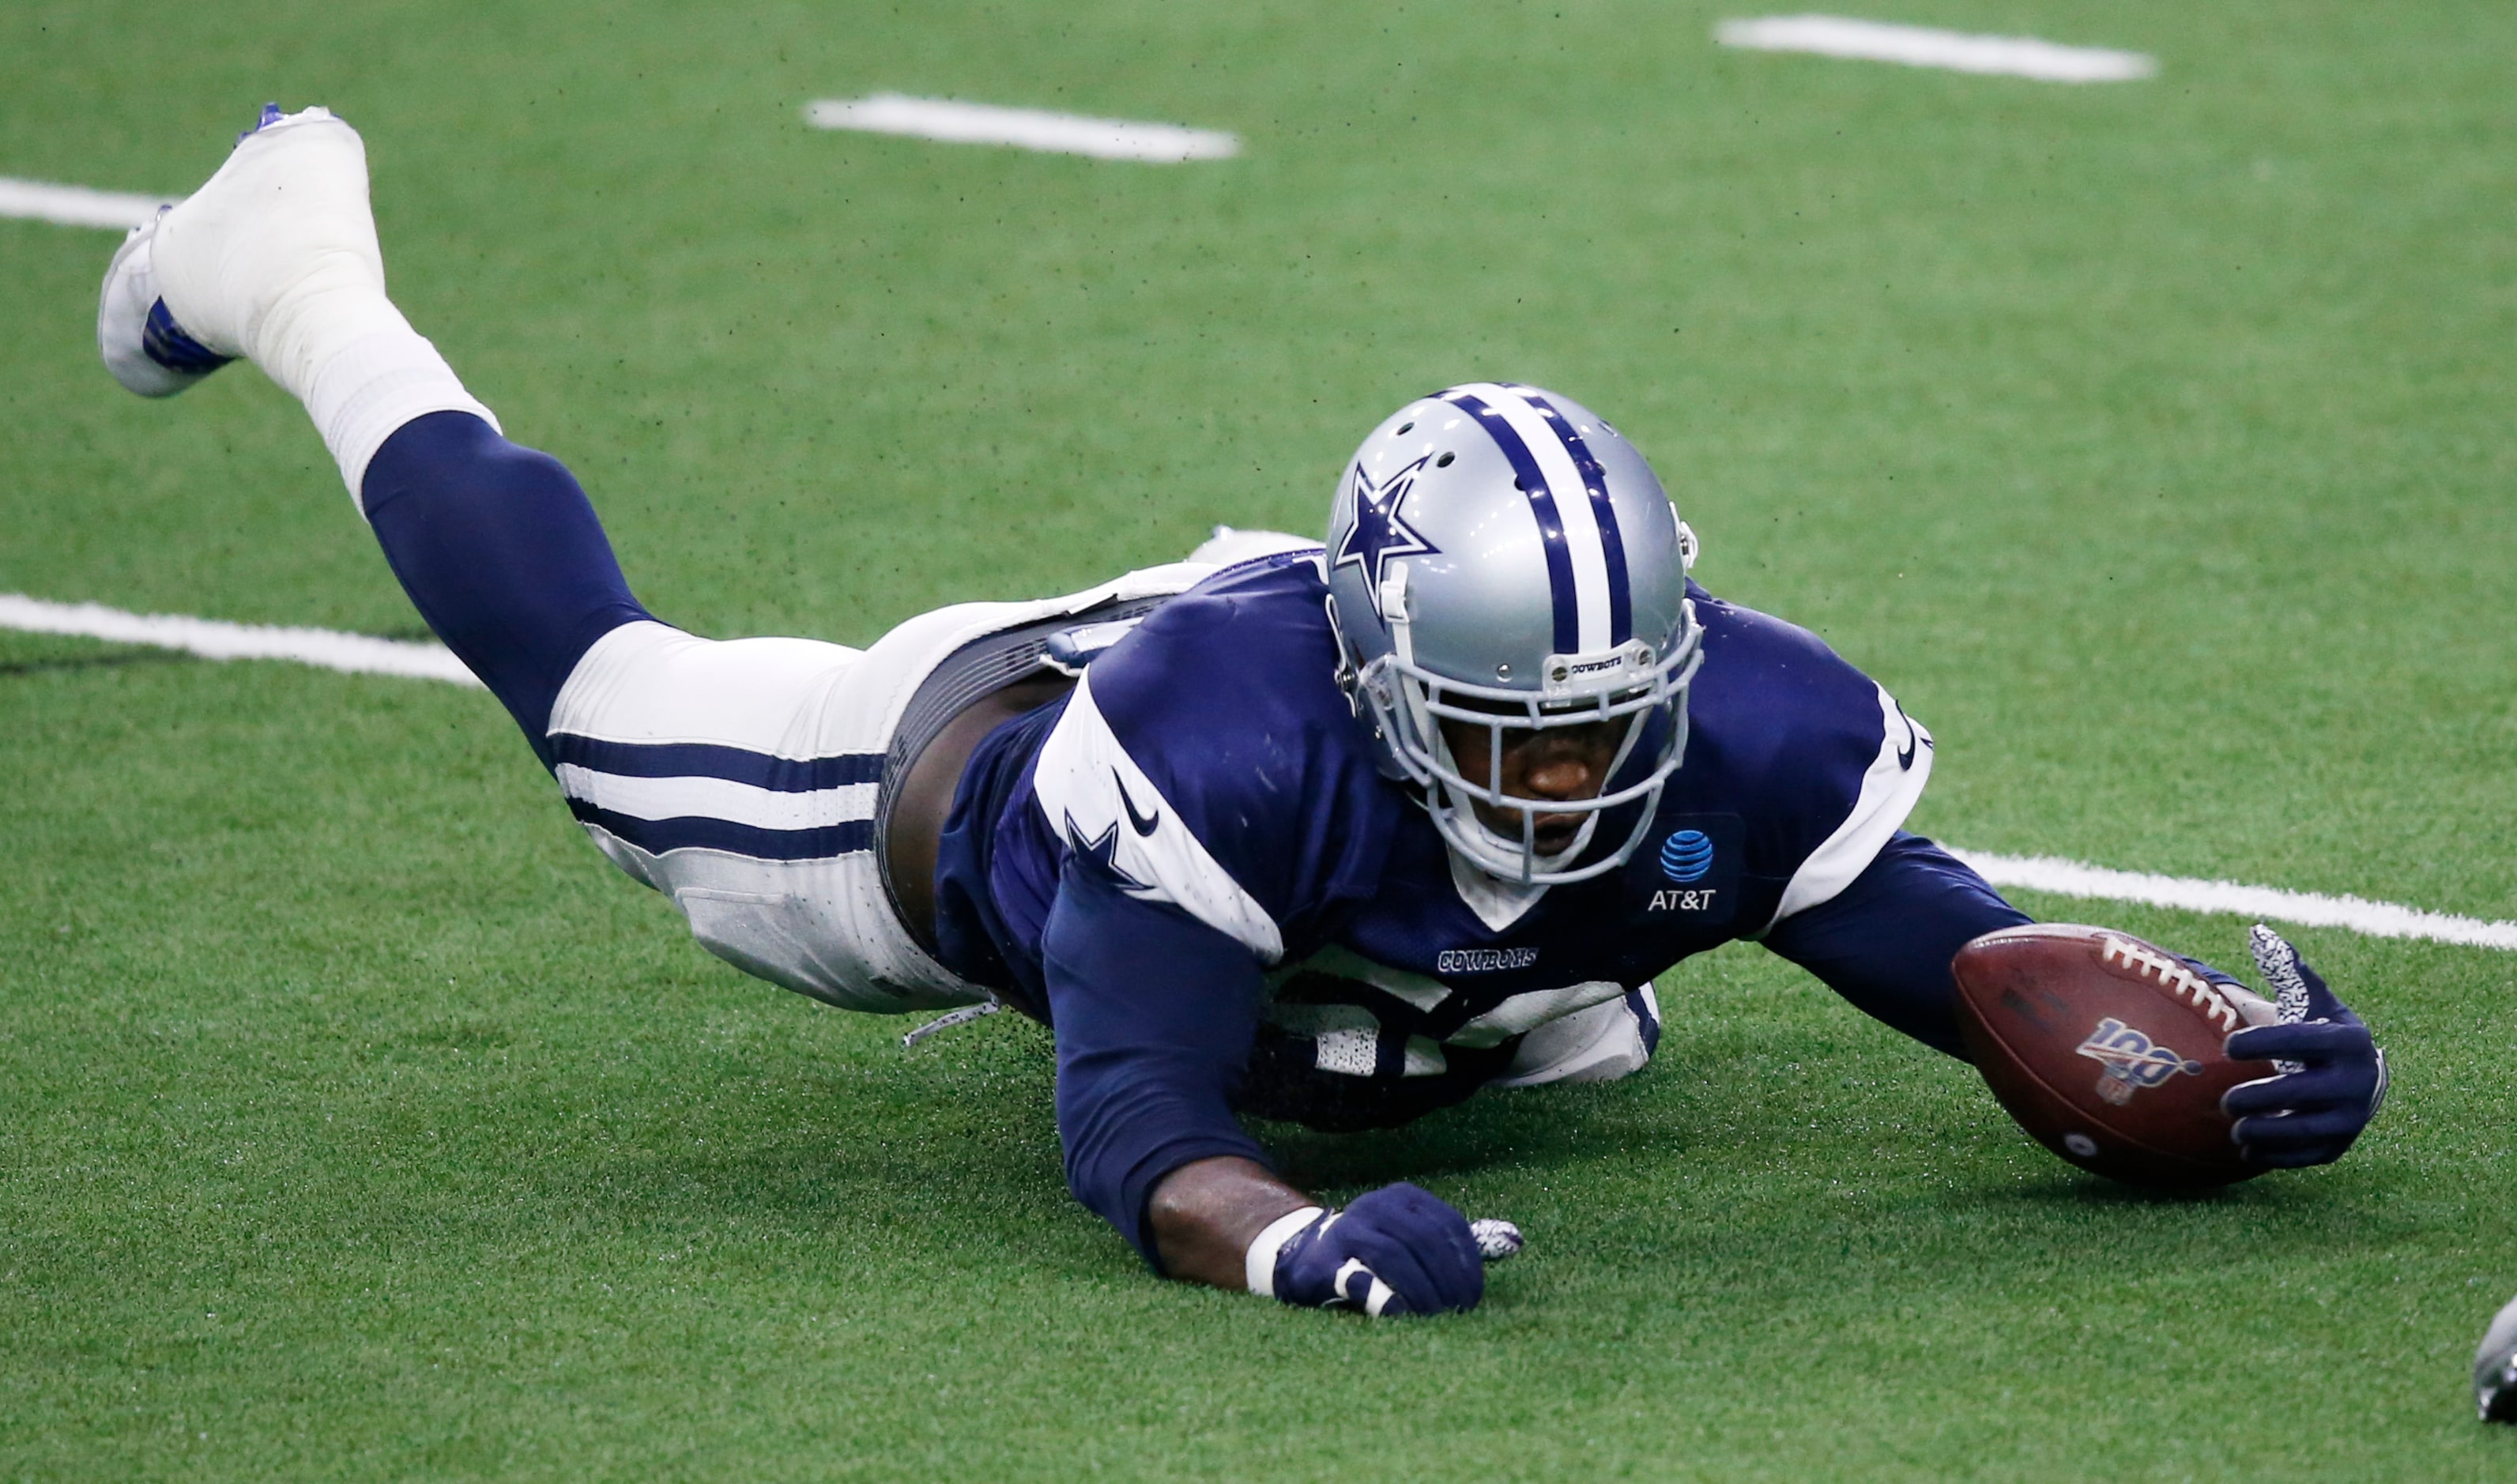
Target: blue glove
[
  {"x": 1399, "y": 1250},
  {"x": 2331, "y": 1074}
]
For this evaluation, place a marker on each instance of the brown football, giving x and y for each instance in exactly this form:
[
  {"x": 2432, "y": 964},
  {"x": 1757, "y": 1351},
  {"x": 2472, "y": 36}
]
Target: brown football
[{"x": 2106, "y": 1050}]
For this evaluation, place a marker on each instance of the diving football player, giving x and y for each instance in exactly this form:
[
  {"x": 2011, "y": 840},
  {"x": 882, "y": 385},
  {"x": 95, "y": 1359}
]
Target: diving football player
[{"x": 1338, "y": 833}]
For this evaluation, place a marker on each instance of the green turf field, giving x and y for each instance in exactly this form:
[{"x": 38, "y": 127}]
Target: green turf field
[{"x": 2152, "y": 442}]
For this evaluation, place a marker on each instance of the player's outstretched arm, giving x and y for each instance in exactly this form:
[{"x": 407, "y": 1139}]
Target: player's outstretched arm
[
  {"x": 1885, "y": 942},
  {"x": 1153, "y": 1013},
  {"x": 1205, "y": 1215}
]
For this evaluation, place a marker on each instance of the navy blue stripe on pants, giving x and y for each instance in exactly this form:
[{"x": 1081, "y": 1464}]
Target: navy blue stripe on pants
[
  {"x": 740, "y": 765},
  {"x": 703, "y": 833},
  {"x": 500, "y": 552}
]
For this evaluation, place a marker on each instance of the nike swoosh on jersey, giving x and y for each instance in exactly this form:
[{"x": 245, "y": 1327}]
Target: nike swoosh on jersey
[
  {"x": 1905, "y": 754},
  {"x": 1142, "y": 824}
]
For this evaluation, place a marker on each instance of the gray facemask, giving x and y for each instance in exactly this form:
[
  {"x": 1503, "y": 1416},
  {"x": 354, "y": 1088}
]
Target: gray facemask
[{"x": 1498, "y": 557}]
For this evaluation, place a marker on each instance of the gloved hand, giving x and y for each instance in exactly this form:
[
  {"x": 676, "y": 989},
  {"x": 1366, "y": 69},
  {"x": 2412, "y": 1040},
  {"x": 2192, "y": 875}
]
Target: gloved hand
[
  {"x": 2331, "y": 1074},
  {"x": 1399, "y": 1250}
]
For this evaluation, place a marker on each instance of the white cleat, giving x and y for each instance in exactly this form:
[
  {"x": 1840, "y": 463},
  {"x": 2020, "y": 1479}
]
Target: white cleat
[
  {"x": 141, "y": 347},
  {"x": 274, "y": 259}
]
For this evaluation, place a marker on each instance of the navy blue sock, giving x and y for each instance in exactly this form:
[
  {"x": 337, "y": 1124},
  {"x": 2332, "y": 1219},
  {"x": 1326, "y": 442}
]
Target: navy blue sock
[{"x": 501, "y": 553}]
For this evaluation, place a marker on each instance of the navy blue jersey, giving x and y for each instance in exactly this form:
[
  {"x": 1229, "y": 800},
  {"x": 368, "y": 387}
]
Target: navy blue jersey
[
  {"x": 1195, "y": 857},
  {"x": 1192, "y": 867},
  {"x": 1210, "y": 763}
]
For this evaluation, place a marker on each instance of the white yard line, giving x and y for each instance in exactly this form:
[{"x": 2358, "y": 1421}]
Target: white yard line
[
  {"x": 2378, "y": 920},
  {"x": 978, "y": 123},
  {"x": 1919, "y": 46},
  {"x": 362, "y": 654},
  {"x": 212, "y": 639},
  {"x": 76, "y": 205}
]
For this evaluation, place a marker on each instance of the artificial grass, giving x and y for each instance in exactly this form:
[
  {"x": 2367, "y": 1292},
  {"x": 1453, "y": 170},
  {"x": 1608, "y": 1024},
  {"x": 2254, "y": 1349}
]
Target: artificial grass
[{"x": 2149, "y": 442}]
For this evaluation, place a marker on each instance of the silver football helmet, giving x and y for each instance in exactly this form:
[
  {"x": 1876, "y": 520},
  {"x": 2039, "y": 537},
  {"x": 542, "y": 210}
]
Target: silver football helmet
[{"x": 1498, "y": 557}]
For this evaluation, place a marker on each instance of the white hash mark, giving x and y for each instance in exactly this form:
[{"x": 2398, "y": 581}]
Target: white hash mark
[
  {"x": 979, "y": 123},
  {"x": 1919, "y": 46}
]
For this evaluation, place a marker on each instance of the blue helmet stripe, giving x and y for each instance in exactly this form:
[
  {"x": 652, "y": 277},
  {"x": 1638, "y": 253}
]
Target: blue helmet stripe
[
  {"x": 1542, "y": 504},
  {"x": 1603, "y": 511}
]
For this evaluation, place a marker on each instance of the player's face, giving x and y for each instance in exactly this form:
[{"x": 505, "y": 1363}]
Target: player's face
[{"x": 1568, "y": 763}]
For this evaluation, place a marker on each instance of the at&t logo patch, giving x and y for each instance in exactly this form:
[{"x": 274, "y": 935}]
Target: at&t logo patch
[
  {"x": 2132, "y": 1061},
  {"x": 1693, "y": 874},
  {"x": 1686, "y": 855}
]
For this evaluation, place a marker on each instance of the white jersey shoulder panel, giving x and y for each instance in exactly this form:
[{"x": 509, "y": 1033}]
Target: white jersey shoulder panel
[
  {"x": 1093, "y": 793},
  {"x": 1890, "y": 790}
]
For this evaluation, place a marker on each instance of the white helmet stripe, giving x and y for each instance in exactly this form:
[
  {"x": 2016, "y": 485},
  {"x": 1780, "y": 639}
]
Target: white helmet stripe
[{"x": 1573, "y": 510}]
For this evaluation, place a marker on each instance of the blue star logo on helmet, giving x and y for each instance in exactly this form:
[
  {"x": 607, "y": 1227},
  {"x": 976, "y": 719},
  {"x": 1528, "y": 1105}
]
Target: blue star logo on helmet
[
  {"x": 1381, "y": 530},
  {"x": 1686, "y": 855}
]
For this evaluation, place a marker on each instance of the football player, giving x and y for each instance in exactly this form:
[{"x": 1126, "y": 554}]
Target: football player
[{"x": 1337, "y": 833}]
